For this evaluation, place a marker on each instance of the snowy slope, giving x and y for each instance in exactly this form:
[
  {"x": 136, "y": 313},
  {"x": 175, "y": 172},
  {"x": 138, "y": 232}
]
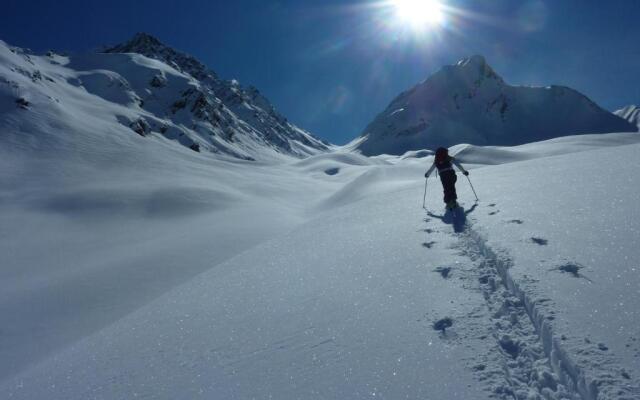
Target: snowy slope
[
  {"x": 302, "y": 316},
  {"x": 630, "y": 113},
  {"x": 567, "y": 245},
  {"x": 469, "y": 103},
  {"x": 96, "y": 219},
  {"x": 151, "y": 272},
  {"x": 152, "y": 90}
]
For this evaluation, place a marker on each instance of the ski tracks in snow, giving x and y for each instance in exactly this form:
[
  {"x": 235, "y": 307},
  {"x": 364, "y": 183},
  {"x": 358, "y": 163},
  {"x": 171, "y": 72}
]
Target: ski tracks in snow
[
  {"x": 527, "y": 362},
  {"x": 526, "y": 372}
]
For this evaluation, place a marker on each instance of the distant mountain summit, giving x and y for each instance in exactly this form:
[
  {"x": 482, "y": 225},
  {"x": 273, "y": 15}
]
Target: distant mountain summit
[
  {"x": 150, "y": 89},
  {"x": 469, "y": 103},
  {"x": 630, "y": 113}
]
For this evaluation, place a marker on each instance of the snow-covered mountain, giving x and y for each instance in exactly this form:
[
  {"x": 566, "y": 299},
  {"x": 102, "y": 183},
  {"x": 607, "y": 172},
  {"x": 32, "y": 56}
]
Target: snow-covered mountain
[
  {"x": 150, "y": 89},
  {"x": 469, "y": 103},
  {"x": 631, "y": 113}
]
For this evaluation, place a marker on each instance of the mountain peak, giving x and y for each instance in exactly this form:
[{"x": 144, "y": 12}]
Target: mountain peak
[
  {"x": 224, "y": 103},
  {"x": 147, "y": 45},
  {"x": 467, "y": 102},
  {"x": 475, "y": 60},
  {"x": 140, "y": 43},
  {"x": 143, "y": 37},
  {"x": 476, "y": 66}
]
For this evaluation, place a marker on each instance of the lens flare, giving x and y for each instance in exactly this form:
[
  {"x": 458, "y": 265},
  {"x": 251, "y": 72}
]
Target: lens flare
[{"x": 420, "y": 14}]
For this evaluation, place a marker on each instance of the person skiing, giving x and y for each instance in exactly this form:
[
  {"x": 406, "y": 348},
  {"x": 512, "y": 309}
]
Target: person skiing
[{"x": 444, "y": 163}]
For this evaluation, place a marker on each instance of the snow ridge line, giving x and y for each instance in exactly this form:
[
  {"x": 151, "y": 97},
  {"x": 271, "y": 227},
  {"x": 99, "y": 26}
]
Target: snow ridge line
[{"x": 569, "y": 373}]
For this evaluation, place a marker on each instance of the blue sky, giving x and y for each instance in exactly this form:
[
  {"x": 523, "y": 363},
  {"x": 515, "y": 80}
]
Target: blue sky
[{"x": 331, "y": 66}]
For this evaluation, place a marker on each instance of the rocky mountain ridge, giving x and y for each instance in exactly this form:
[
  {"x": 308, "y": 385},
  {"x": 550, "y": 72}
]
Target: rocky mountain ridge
[{"x": 152, "y": 88}]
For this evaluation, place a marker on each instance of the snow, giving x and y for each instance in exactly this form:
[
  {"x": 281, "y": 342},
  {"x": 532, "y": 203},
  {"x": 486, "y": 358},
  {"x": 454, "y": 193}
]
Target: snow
[
  {"x": 155, "y": 92},
  {"x": 631, "y": 113},
  {"x": 132, "y": 266},
  {"x": 301, "y": 316},
  {"x": 592, "y": 223},
  {"x": 285, "y": 281},
  {"x": 492, "y": 155},
  {"x": 469, "y": 103}
]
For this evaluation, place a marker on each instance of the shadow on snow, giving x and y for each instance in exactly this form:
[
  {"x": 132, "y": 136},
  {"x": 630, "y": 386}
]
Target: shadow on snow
[{"x": 456, "y": 217}]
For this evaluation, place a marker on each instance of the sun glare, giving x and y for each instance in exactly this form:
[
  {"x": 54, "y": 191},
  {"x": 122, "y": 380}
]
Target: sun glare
[{"x": 420, "y": 14}]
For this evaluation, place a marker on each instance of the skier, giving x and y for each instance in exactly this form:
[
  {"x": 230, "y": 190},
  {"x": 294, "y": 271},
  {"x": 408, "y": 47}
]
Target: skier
[{"x": 444, "y": 162}]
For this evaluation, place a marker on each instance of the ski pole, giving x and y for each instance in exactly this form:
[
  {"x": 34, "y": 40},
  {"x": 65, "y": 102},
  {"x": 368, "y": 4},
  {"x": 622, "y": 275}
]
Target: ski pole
[
  {"x": 424, "y": 199},
  {"x": 474, "y": 191}
]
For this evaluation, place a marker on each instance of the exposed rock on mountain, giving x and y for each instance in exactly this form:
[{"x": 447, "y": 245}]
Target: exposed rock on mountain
[{"x": 151, "y": 88}]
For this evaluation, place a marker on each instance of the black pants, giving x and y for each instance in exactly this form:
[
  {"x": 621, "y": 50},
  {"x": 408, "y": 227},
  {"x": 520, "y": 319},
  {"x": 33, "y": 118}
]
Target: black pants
[{"x": 448, "y": 179}]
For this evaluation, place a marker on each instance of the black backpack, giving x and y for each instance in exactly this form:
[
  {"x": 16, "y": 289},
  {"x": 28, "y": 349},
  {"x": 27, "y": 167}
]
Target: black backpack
[{"x": 442, "y": 155}]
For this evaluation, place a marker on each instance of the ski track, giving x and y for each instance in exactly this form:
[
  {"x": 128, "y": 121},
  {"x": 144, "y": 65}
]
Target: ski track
[{"x": 534, "y": 363}]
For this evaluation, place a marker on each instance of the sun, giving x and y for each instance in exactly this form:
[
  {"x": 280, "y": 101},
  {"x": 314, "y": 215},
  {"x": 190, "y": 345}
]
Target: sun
[{"x": 419, "y": 14}]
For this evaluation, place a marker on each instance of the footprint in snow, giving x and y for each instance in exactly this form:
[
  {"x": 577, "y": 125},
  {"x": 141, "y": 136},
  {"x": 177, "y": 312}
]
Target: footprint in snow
[
  {"x": 539, "y": 241},
  {"x": 444, "y": 271},
  {"x": 332, "y": 171},
  {"x": 510, "y": 346},
  {"x": 443, "y": 324},
  {"x": 573, "y": 269}
]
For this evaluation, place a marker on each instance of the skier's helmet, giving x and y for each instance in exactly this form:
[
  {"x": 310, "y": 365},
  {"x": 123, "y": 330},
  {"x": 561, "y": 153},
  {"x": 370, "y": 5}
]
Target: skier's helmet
[{"x": 441, "y": 155}]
